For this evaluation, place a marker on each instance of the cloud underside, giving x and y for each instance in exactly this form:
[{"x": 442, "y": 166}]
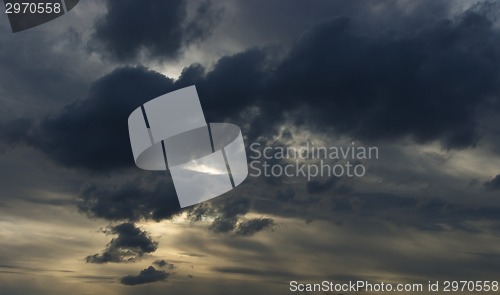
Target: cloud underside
[{"x": 146, "y": 276}]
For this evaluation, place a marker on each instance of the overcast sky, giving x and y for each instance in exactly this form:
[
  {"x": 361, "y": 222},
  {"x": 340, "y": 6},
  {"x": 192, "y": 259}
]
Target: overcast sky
[{"x": 419, "y": 80}]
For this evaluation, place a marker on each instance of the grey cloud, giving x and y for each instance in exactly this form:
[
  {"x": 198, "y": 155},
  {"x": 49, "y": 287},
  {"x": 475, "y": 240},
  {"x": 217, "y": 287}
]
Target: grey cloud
[
  {"x": 234, "y": 207},
  {"x": 163, "y": 264},
  {"x": 252, "y": 226},
  {"x": 101, "y": 142},
  {"x": 131, "y": 244},
  {"x": 146, "y": 276},
  {"x": 34, "y": 91},
  {"x": 229, "y": 216},
  {"x": 227, "y": 213},
  {"x": 150, "y": 196},
  {"x": 161, "y": 28},
  {"x": 223, "y": 225},
  {"x": 370, "y": 87}
]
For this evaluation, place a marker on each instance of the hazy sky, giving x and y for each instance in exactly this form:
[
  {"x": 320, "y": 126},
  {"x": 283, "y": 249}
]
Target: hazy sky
[{"x": 419, "y": 80}]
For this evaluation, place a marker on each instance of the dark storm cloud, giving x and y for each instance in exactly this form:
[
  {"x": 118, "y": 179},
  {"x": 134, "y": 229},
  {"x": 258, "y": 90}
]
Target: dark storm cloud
[
  {"x": 148, "y": 275},
  {"x": 130, "y": 244},
  {"x": 284, "y": 19},
  {"x": 151, "y": 196},
  {"x": 93, "y": 133},
  {"x": 425, "y": 84},
  {"x": 159, "y": 27}
]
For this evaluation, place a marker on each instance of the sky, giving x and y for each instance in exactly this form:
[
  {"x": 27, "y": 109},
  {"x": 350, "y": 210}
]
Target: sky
[{"x": 417, "y": 80}]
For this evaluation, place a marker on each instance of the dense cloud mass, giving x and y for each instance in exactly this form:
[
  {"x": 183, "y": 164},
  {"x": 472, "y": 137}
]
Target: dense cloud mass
[
  {"x": 101, "y": 142},
  {"x": 430, "y": 82},
  {"x": 131, "y": 244},
  {"x": 161, "y": 28},
  {"x": 150, "y": 197},
  {"x": 148, "y": 275}
]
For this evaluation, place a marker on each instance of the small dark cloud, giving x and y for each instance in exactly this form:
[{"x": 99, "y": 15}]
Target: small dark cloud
[
  {"x": 160, "y": 28},
  {"x": 226, "y": 211},
  {"x": 223, "y": 225},
  {"x": 252, "y": 226},
  {"x": 146, "y": 276},
  {"x": 163, "y": 264},
  {"x": 229, "y": 217},
  {"x": 130, "y": 244},
  {"x": 160, "y": 263},
  {"x": 493, "y": 184}
]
